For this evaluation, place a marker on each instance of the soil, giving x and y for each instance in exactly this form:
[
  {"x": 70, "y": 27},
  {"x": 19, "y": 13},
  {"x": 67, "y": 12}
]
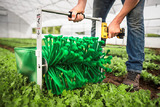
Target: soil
[
  {"x": 157, "y": 62},
  {"x": 157, "y": 50},
  {"x": 110, "y": 78},
  {"x": 146, "y": 85},
  {"x": 154, "y": 72},
  {"x": 7, "y": 47}
]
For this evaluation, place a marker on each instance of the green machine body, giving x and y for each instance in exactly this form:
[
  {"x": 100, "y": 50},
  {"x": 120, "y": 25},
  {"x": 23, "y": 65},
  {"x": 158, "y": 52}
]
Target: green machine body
[{"x": 27, "y": 62}]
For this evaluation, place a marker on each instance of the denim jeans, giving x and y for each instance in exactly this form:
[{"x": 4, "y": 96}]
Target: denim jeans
[{"x": 135, "y": 31}]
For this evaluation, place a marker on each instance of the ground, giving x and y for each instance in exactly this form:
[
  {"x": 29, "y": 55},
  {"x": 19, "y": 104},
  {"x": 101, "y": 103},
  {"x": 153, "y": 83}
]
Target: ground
[
  {"x": 117, "y": 80},
  {"x": 155, "y": 89},
  {"x": 16, "y": 91}
]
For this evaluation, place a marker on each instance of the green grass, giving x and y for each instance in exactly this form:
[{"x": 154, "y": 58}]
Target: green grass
[
  {"x": 16, "y": 42},
  {"x": 152, "y": 35}
]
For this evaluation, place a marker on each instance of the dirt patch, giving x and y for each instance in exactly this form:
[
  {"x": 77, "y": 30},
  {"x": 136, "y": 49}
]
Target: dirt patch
[
  {"x": 113, "y": 79},
  {"x": 157, "y": 62},
  {"x": 157, "y": 50},
  {"x": 7, "y": 47},
  {"x": 149, "y": 85},
  {"x": 154, "y": 72},
  {"x": 155, "y": 89}
]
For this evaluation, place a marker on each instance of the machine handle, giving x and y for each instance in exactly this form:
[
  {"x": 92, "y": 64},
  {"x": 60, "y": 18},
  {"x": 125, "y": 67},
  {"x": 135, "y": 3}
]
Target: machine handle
[{"x": 68, "y": 14}]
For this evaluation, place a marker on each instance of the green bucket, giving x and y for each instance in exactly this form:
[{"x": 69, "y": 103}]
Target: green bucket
[{"x": 27, "y": 62}]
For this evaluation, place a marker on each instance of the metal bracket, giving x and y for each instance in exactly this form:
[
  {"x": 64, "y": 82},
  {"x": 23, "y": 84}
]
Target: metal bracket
[
  {"x": 98, "y": 28},
  {"x": 44, "y": 65},
  {"x": 39, "y": 40},
  {"x": 39, "y": 47}
]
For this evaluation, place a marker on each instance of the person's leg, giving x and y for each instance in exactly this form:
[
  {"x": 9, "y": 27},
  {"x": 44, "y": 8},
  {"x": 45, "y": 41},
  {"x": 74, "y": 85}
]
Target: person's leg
[
  {"x": 100, "y": 9},
  {"x": 135, "y": 42},
  {"x": 135, "y": 39}
]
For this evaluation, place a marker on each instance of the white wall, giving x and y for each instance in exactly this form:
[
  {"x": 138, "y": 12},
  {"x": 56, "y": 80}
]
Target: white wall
[
  {"x": 13, "y": 26},
  {"x": 151, "y": 42}
]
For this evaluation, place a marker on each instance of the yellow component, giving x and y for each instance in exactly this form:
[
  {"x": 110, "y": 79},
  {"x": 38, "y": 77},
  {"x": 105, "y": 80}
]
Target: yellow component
[{"x": 104, "y": 30}]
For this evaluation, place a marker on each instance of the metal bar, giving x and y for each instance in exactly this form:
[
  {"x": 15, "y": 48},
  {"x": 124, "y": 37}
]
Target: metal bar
[
  {"x": 66, "y": 14},
  {"x": 98, "y": 28},
  {"x": 152, "y": 19},
  {"x": 39, "y": 38},
  {"x": 39, "y": 47}
]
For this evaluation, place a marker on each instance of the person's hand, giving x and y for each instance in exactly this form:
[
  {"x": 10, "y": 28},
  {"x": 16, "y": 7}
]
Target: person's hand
[
  {"x": 113, "y": 29},
  {"x": 77, "y": 17}
]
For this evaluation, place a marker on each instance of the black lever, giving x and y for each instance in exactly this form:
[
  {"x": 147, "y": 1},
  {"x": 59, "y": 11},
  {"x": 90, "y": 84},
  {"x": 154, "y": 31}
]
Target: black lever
[{"x": 70, "y": 16}]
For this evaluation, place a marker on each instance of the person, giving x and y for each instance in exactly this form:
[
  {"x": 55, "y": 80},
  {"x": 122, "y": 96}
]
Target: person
[{"x": 133, "y": 10}]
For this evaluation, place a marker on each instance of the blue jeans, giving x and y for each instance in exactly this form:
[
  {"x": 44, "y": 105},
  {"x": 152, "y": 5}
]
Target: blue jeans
[{"x": 135, "y": 31}]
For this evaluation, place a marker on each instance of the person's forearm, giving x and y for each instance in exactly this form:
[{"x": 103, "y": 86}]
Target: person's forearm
[
  {"x": 127, "y": 7},
  {"x": 82, "y": 3}
]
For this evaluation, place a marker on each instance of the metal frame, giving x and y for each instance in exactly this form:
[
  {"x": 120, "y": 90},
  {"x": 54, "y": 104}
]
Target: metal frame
[{"x": 39, "y": 38}]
